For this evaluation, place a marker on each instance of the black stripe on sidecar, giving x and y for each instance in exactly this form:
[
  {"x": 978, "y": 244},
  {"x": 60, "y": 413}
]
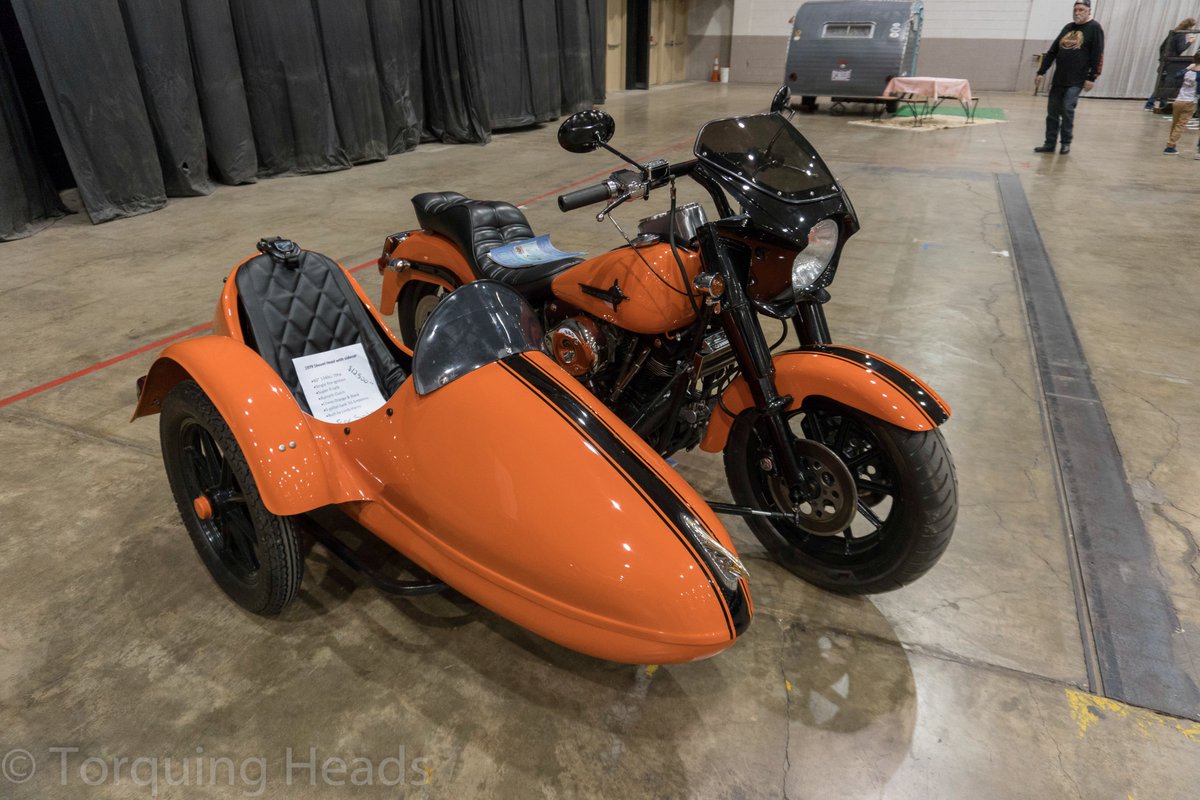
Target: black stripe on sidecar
[{"x": 659, "y": 495}]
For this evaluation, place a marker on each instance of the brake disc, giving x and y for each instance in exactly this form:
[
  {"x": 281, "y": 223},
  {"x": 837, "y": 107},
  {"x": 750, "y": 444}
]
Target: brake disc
[{"x": 831, "y": 496}]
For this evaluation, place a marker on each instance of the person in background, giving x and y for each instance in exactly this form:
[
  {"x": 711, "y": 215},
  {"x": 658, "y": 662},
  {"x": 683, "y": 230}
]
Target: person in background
[
  {"x": 1079, "y": 51},
  {"x": 1178, "y": 39},
  {"x": 1183, "y": 107}
]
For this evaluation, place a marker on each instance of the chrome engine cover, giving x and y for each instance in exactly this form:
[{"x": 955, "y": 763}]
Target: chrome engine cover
[{"x": 577, "y": 346}]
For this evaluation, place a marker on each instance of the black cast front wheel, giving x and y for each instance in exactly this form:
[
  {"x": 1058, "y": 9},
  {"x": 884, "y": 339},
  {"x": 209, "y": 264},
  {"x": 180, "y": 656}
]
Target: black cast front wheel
[
  {"x": 251, "y": 553},
  {"x": 878, "y": 504}
]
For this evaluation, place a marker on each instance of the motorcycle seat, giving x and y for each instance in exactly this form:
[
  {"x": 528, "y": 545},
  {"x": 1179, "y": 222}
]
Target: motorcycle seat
[
  {"x": 476, "y": 227},
  {"x": 295, "y": 302}
]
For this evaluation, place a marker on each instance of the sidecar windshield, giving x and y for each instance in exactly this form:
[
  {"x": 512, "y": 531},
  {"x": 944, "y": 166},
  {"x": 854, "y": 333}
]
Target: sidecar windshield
[
  {"x": 475, "y": 325},
  {"x": 766, "y": 151}
]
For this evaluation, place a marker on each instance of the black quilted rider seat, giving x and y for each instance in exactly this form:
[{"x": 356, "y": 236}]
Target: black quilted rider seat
[
  {"x": 295, "y": 302},
  {"x": 479, "y": 226}
]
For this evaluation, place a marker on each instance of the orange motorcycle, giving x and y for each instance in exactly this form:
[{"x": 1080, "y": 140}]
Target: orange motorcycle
[
  {"x": 832, "y": 454},
  {"x": 302, "y": 414}
]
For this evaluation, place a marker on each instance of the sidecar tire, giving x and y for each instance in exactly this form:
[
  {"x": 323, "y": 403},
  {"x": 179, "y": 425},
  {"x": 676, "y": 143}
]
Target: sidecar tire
[
  {"x": 252, "y": 554},
  {"x": 912, "y": 537},
  {"x": 416, "y": 303}
]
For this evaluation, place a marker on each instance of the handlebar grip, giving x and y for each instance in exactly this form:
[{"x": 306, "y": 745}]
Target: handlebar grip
[{"x": 579, "y": 198}]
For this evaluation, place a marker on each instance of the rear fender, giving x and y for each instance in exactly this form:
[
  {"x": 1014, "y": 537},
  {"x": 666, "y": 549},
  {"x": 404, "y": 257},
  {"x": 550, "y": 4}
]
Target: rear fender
[
  {"x": 425, "y": 257},
  {"x": 852, "y": 377},
  {"x": 293, "y": 467}
]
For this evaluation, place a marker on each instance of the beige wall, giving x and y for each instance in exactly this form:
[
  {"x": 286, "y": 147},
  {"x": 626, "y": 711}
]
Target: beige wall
[
  {"x": 990, "y": 64},
  {"x": 989, "y": 42}
]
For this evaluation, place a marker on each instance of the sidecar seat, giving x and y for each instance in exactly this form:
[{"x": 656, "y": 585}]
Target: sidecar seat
[
  {"x": 296, "y": 302},
  {"x": 478, "y": 226}
]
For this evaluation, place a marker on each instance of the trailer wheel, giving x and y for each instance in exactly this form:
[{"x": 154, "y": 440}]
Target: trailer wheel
[{"x": 808, "y": 104}]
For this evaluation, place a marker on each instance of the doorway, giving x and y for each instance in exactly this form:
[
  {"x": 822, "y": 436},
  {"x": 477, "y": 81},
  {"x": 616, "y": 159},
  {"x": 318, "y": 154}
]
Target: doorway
[{"x": 614, "y": 56}]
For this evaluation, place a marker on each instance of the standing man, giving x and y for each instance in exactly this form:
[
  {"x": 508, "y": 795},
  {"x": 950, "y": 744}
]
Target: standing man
[{"x": 1079, "y": 51}]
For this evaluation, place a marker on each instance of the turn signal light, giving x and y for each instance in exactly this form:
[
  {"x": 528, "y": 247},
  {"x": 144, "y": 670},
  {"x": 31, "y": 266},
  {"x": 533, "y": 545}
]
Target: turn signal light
[{"x": 709, "y": 284}]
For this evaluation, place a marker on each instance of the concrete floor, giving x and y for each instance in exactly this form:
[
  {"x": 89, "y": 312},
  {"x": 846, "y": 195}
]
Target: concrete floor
[{"x": 970, "y": 683}]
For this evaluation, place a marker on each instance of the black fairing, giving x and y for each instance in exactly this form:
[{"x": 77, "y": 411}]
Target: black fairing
[{"x": 787, "y": 212}]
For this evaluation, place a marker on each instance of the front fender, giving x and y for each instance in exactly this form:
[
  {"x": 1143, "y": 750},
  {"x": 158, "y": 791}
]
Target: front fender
[
  {"x": 287, "y": 451},
  {"x": 852, "y": 377}
]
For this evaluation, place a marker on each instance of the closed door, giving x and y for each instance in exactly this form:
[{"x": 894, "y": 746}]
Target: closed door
[
  {"x": 614, "y": 61},
  {"x": 659, "y": 11},
  {"x": 677, "y": 45},
  {"x": 668, "y": 41}
]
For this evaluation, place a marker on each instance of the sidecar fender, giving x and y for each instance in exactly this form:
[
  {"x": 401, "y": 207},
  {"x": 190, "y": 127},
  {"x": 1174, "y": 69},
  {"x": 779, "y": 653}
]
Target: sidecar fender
[
  {"x": 292, "y": 465},
  {"x": 425, "y": 257},
  {"x": 853, "y": 377}
]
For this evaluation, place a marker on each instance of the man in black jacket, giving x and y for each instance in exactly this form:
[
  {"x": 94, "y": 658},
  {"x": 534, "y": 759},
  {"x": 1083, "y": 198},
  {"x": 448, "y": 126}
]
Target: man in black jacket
[{"x": 1079, "y": 51}]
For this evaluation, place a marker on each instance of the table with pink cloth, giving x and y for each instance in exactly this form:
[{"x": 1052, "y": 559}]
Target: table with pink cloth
[
  {"x": 932, "y": 88},
  {"x": 932, "y": 91}
]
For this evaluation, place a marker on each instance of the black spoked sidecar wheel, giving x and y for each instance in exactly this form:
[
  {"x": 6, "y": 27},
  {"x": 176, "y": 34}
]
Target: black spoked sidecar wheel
[
  {"x": 251, "y": 553},
  {"x": 417, "y": 301},
  {"x": 904, "y": 495}
]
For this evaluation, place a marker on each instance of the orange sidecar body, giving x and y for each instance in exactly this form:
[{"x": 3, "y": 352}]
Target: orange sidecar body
[{"x": 505, "y": 479}]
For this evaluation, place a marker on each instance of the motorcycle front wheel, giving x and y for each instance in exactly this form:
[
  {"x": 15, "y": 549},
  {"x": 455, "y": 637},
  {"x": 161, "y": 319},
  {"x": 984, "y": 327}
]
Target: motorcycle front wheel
[{"x": 883, "y": 532}]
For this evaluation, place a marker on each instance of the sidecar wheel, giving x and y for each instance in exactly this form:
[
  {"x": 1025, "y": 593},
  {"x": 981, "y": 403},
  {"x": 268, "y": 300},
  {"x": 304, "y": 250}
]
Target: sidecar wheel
[
  {"x": 251, "y": 553},
  {"x": 905, "y": 492},
  {"x": 417, "y": 301}
]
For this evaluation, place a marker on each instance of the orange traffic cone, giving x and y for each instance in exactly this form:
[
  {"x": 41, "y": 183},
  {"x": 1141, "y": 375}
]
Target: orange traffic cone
[{"x": 716, "y": 76}]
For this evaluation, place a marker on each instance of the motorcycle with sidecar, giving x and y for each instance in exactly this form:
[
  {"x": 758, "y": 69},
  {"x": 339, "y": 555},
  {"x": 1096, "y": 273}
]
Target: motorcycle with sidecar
[
  {"x": 474, "y": 455},
  {"x": 832, "y": 454}
]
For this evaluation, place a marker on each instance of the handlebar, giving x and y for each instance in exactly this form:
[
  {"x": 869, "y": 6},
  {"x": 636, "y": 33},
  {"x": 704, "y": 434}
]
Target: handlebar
[
  {"x": 600, "y": 193},
  {"x": 620, "y": 183}
]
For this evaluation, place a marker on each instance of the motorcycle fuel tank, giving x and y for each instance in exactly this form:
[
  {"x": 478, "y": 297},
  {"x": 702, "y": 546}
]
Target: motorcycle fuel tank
[{"x": 638, "y": 289}]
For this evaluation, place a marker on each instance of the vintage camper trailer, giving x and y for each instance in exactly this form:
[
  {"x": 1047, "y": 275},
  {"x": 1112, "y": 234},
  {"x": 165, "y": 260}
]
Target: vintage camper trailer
[{"x": 851, "y": 48}]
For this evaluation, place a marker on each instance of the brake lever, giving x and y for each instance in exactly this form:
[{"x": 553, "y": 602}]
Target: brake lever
[{"x": 612, "y": 206}]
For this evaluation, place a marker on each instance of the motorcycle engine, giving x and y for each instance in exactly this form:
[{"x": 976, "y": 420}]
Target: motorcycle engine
[{"x": 577, "y": 346}]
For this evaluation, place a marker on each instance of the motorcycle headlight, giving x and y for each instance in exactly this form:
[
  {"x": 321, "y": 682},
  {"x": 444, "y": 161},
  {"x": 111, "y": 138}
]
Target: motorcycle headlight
[{"x": 814, "y": 259}]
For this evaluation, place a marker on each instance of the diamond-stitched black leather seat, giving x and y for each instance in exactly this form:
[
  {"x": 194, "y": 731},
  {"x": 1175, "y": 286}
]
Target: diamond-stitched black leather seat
[
  {"x": 305, "y": 305},
  {"x": 478, "y": 226}
]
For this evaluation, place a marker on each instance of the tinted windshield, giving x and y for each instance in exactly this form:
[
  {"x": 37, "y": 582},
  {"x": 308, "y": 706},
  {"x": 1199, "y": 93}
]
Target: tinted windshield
[
  {"x": 475, "y": 325},
  {"x": 768, "y": 152}
]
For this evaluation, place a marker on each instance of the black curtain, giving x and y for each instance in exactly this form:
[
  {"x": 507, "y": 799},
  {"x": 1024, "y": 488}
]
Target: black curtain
[
  {"x": 155, "y": 97},
  {"x": 287, "y": 89},
  {"x": 499, "y": 26},
  {"x": 545, "y": 78},
  {"x": 396, "y": 35},
  {"x": 455, "y": 108},
  {"x": 353, "y": 79},
  {"x": 575, "y": 58},
  {"x": 158, "y": 43},
  {"x": 28, "y": 201},
  {"x": 228, "y": 133},
  {"x": 83, "y": 61},
  {"x": 598, "y": 23}
]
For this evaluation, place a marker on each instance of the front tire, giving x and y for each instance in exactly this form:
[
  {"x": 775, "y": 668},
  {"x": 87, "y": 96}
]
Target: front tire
[
  {"x": 252, "y": 554},
  {"x": 905, "y": 498}
]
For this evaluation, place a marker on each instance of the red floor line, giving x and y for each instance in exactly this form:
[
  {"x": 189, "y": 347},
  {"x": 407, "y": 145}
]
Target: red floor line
[
  {"x": 200, "y": 328},
  {"x": 102, "y": 364}
]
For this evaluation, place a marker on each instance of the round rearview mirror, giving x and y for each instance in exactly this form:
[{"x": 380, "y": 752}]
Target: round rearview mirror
[
  {"x": 584, "y": 131},
  {"x": 781, "y": 100}
]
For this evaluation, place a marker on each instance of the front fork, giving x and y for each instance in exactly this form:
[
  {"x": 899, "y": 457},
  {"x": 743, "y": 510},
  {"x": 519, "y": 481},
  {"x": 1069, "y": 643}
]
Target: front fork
[{"x": 754, "y": 357}]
